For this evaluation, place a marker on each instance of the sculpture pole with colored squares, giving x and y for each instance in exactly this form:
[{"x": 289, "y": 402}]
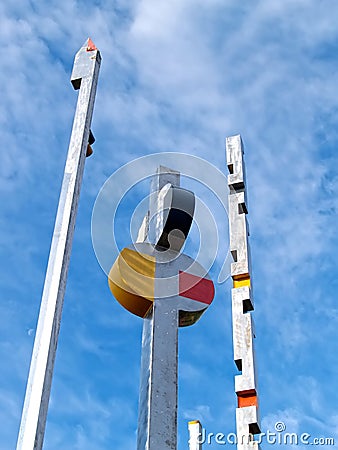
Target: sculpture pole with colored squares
[{"x": 247, "y": 419}]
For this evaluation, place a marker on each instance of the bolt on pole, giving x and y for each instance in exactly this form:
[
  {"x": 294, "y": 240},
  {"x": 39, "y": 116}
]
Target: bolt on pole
[{"x": 33, "y": 420}]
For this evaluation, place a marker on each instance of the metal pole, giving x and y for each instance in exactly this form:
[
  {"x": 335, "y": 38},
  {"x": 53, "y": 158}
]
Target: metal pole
[
  {"x": 33, "y": 420},
  {"x": 247, "y": 420},
  {"x": 195, "y": 435},
  {"x": 168, "y": 289},
  {"x": 157, "y": 422}
]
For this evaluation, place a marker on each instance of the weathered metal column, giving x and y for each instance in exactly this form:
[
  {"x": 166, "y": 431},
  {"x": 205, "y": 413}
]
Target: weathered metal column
[
  {"x": 157, "y": 422},
  {"x": 247, "y": 419},
  {"x": 168, "y": 289},
  {"x": 169, "y": 223},
  {"x": 33, "y": 421}
]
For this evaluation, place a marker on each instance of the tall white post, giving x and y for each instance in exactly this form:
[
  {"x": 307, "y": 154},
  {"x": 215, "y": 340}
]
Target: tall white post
[
  {"x": 195, "y": 435},
  {"x": 247, "y": 420},
  {"x": 33, "y": 420},
  {"x": 157, "y": 421}
]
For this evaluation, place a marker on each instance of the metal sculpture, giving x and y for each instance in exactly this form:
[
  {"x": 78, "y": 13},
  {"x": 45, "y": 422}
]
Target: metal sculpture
[
  {"x": 33, "y": 421},
  {"x": 168, "y": 289},
  {"x": 247, "y": 419}
]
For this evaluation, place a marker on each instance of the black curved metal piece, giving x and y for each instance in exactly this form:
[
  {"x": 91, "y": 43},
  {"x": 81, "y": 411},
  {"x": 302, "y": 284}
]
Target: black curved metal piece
[{"x": 177, "y": 215}]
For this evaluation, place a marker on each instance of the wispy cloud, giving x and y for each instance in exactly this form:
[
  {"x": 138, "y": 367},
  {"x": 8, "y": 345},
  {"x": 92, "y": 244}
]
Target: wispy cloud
[{"x": 176, "y": 76}]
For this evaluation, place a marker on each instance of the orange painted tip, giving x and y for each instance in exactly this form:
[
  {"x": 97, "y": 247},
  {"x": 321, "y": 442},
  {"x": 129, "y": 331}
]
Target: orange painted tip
[{"x": 90, "y": 45}]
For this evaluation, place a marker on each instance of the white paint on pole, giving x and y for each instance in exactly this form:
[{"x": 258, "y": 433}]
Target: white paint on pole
[
  {"x": 33, "y": 420},
  {"x": 143, "y": 230},
  {"x": 245, "y": 417}
]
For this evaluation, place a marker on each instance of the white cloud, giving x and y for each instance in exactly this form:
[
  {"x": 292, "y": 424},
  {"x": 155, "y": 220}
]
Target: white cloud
[
  {"x": 175, "y": 76},
  {"x": 199, "y": 412}
]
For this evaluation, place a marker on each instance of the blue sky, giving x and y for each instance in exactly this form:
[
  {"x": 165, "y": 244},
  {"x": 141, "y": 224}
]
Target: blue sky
[{"x": 175, "y": 76}]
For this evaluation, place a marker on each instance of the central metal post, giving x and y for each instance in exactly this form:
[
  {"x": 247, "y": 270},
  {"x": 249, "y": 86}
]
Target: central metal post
[
  {"x": 157, "y": 427},
  {"x": 168, "y": 289},
  {"x": 157, "y": 423}
]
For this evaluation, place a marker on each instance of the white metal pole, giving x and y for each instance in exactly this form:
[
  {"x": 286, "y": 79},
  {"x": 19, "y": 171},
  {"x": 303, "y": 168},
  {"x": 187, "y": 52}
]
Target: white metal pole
[
  {"x": 195, "y": 435},
  {"x": 33, "y": 420},
  {"x": 247, "y": 418},
  {"x": 157, "y": 421}
]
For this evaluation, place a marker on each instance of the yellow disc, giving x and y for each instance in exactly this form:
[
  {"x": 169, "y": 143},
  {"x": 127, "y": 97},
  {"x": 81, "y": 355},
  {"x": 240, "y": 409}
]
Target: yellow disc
[{"x": 133, "y": 273}]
